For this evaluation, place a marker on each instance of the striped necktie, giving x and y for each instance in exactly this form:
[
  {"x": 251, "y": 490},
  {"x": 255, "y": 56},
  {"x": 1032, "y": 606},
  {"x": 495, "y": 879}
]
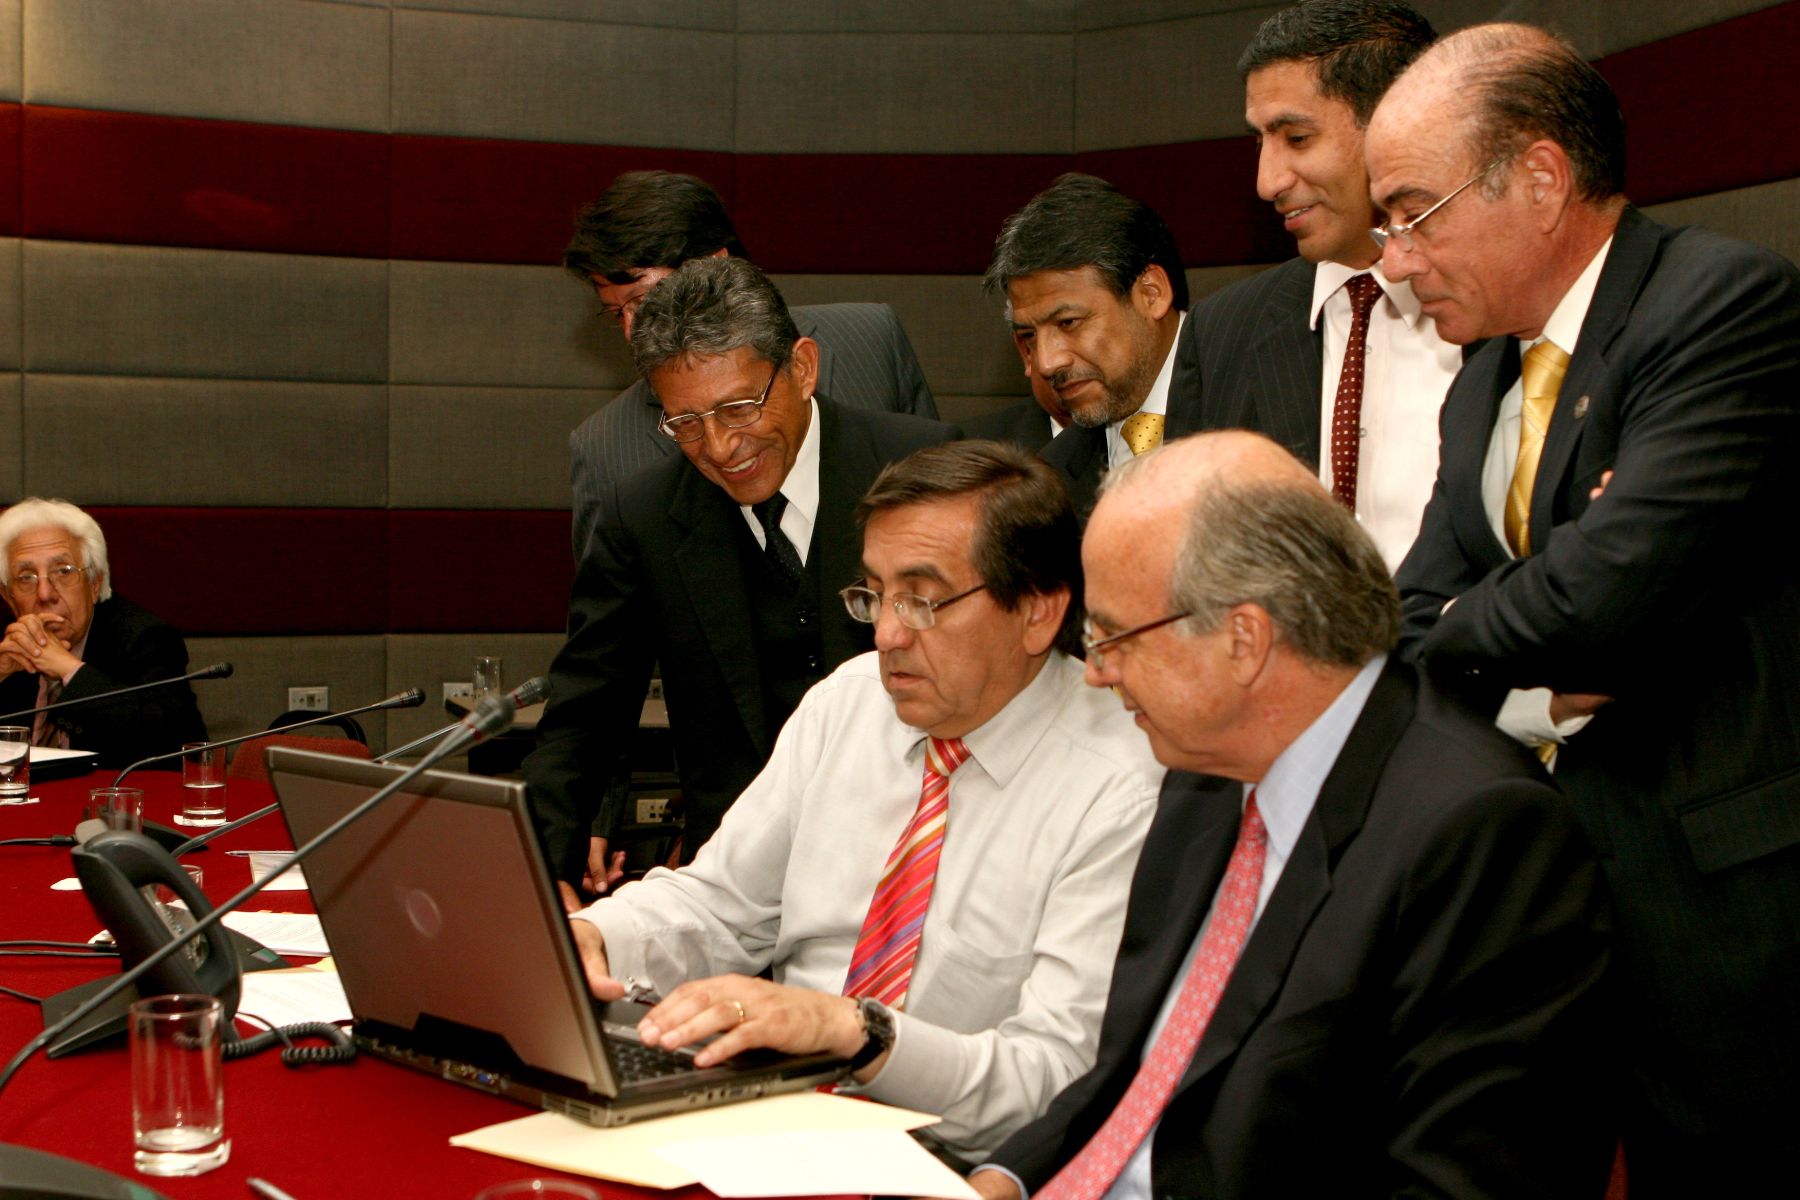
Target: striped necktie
[{"x": 881, "y": 965}]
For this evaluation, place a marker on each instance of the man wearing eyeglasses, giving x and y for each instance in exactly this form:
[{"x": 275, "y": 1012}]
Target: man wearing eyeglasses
[
  {"x": 933, "y": 865},
  {"x": 71, "y": 638},
  {"x": 722, "y": 564},
  {"x": 1602, "y": 561}
]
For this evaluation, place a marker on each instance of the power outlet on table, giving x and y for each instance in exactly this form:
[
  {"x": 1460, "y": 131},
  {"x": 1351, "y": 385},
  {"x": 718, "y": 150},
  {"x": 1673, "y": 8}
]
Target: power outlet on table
[
  {"x": 464, "y": 688},
  {"x": 310, "y": 699}
]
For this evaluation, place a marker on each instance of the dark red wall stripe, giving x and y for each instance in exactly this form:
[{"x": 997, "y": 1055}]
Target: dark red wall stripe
[
  {"x": 247, "y": 571},
  {"x": 1698, "y": 105}
]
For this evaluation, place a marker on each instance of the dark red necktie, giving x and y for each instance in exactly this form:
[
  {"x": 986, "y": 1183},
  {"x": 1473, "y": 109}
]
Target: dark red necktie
[{"x": 1346, "y": 411}]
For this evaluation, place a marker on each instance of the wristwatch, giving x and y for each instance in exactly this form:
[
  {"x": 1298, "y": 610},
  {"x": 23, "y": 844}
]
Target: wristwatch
[{"x": 878, "y": 1028}]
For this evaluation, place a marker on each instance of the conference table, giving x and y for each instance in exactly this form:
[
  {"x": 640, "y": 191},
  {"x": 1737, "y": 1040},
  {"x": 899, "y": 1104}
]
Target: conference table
[{"x": 368, "y": 1129}]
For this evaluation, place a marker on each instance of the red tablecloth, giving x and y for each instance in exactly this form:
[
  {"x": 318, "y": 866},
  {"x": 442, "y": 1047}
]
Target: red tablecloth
[{"x": 332, "y": 1133}]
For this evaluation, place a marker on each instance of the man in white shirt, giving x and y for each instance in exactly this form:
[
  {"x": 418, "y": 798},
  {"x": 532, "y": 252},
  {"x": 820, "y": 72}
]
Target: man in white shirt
[
  {"x": 1096, "y": 296},
  {"x": 1606, "y": 551},
  {"x": 1323, "y": 353},
  {"x": 1365, "y": 949},
  {"x": 987, "y": 1002}
]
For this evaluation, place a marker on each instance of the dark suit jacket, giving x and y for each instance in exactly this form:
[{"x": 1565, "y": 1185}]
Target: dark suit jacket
[
  {"x": 125, "y": 645},
  {"x": 1247, "y": 358},
  {"x": 1675, "y": 593},
  {"x": 865, "y": 360},
  {"x": 1025, "y": 425},
  {"x": 661, "y": 581},
  {"x": 1417, "y": 1009}
]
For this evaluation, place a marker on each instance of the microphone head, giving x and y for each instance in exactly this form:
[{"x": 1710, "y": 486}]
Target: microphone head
[
  {"x": 493, "y": 715},
  {"x": 411, "y": 698},
  {"x": 533, "y": 690},
  {"x": 219, "y": 670}
]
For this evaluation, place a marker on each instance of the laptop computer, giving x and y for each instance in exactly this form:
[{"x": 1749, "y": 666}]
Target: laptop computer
[{"x": 456, "y": 956}]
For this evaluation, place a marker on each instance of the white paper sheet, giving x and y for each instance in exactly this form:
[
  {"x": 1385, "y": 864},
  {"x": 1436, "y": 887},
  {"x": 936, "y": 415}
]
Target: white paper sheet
[
  {"x": 294, "y": 997},
  {"x": 263, "y": 861},
  {"x": 284, "y": 933},
  {"x": 857, "y": 1162}
]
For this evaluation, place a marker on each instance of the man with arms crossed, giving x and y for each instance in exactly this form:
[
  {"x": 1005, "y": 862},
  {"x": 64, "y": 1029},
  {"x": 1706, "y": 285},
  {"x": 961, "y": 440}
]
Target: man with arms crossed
[
  {"x": 933, "y": 864},
  {"x": 1363, "y": 954},
  {"x": 1608, "y": 522}
]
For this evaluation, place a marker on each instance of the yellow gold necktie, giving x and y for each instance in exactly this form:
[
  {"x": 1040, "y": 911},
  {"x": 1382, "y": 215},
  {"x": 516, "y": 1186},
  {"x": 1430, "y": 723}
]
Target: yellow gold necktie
[
  {"x": 1142, "y": 432},
  {"x": 1541, "y": 376}
]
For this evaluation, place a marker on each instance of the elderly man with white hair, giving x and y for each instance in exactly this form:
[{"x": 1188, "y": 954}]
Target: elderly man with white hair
[{"x": 71, "y": 638}]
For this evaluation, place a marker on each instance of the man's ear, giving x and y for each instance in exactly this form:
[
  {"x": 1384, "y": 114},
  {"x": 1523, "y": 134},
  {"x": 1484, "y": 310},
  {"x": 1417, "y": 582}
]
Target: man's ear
[
  {"x": 1152, "y": 295},
  {"x": 1549, "y": 181},
  {"x": 1043, "y": 619},
  {"x": 1252, "y": 638},
  {"x": 803, "y": 363},
  {"x": 721, "y": 252}
]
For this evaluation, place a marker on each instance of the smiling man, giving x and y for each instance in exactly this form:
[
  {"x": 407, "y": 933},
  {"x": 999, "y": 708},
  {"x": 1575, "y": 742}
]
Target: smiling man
[
  {"x": 1323, "y": 353},
  {"x": 71, "y": 638},
  {"x": 721, "y": 564},
  {"x": 1365, "y": 956},
  {"x": 933, "y": 865}
]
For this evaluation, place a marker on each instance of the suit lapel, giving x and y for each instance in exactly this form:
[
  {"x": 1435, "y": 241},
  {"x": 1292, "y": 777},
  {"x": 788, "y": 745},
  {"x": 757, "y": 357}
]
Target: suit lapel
[
  {"x": 1289, "y": 358},
  {"x": 846, "y": 463},
  {"x": 707, "y": 556},
  {"x": 1468, "y": 424},
  {"x": 1628, "y": 262},
  {"x": 1305, "y": 882}
]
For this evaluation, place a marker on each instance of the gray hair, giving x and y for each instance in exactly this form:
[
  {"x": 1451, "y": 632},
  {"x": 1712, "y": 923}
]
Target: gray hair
[
  {"x": 1294, "y": 551},
  {"x": 34, "y": 512},
  {"x": 708, "y": 308}
]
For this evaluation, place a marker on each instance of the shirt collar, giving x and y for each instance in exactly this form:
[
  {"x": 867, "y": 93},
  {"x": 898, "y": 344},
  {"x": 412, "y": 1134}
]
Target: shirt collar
[
  {"x": 1010, "y": 737},
  {"x": 1287, "y": 791},
  {"x": 1564, "y": 325},
  {"x": 801, "y": 487},
  {"x": 1330, "y": 277}
]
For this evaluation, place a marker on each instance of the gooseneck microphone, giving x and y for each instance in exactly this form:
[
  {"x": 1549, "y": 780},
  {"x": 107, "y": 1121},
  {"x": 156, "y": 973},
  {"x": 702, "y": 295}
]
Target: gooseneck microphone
[
  {"x": 411, "y": 698},
  {"x": 218, "y": 670},
  {"x": 124, "y": 860},
  {"x": 533, "y": 690}
]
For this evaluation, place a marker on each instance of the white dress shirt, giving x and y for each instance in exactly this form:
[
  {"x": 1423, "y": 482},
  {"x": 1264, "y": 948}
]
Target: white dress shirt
[
  {"x": 801, "y": 487},
  {"x": 1156, "y": 402},
  {"x": 1407, "y": 369},
  {"x": 1525, "y": 713},
  {"x": 1016, "y": 956}
]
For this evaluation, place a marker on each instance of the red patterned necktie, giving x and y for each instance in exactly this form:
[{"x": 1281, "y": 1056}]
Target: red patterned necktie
[
  {"x": 1346, "y": 410},
  {"x": 881, "y": 966},
  {"x": 1096, "y": 1166}
]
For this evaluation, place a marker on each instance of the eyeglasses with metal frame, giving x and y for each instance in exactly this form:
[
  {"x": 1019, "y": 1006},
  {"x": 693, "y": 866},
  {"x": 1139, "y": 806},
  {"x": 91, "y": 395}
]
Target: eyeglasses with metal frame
[
  {"x": 1404, "y": 233},
  {"x": 62, "y": 576},
  {"x": 733, "y": 414},
  {"x": 1096, "y": 647},
  {"x": 915, "y": 611}
]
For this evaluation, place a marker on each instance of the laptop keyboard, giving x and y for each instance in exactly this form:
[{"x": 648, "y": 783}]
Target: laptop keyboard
[{"x": 635, "y": 1062}]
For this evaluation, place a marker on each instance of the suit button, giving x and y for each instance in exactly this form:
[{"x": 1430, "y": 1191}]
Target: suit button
[
  {"x": 805, "y": 619},
  {"x": 813, "y": 663}
]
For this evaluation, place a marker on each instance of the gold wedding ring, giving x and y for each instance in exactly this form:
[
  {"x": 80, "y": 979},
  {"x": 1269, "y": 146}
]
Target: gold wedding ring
[{"x": 741, "y": 1014}]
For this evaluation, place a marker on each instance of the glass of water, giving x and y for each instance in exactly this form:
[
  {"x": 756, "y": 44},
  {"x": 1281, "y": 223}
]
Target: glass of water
[
  {"x": 178, "y": 1085},
  {"x": 15, "y": 760},
  {"x": 202, "y": 786}
]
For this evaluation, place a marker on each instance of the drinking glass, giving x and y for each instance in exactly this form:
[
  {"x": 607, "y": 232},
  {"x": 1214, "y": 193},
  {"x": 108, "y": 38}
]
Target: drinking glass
[
  {"x": 202, "y": 786},
  {"x": 178, "y": 1085},
  {"x": 487, "y": 677},
  {"x": 15, "y": 760}
]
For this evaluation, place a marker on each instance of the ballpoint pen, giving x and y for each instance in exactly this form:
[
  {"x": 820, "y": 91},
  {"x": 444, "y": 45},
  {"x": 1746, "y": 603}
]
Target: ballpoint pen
[{"x": 266, "y": 1190}]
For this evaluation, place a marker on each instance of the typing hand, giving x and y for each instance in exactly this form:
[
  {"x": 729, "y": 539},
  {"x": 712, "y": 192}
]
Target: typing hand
[
  {"x": 749, "y": 1013},
  {"x": 592, "y": 948}
]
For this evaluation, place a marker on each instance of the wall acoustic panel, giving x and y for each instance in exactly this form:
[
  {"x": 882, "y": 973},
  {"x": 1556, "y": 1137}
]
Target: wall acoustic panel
[
  {"x": 1623, "y": 26},
  {"x": 12, "y": 120},
  {"x": 440, "y": 564},
  {"x": 133, "y": 310},
  {"x": 673, "y": 14},
  {"x": 903, "y": 16},
  {"x": 1170, "y": 81},
  {"x": 561, "y": 81},
  {"x": 11, "y": 323},
  {"x": 903, "y": 93},
  {"x": 1764, "y": 215},
  {"x": 12, "y": 440},
  {"x": 429, "y": 661},
  {"x": 126, "y": 440},
  {"x": 291, "y": 62},
  {"x": 465, "y": 324},
  {"x": 483, "y": 447},
  {"x": 264, "y": 668},
  {"x": 12, "y": 56},
  {"x": 124, "y": 177}
]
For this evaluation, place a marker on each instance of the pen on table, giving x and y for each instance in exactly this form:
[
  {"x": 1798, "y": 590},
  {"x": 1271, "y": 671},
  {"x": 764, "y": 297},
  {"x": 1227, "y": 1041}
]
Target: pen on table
[
  {"x": 267, "y": 1190},
  {"x": 249, "y": 853}
]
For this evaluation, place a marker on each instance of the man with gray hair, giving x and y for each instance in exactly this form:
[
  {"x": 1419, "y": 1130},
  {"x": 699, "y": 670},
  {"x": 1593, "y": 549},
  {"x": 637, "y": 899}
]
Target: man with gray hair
[
  {"x": 722, "y": 563},
  {"x": 71, "y": 639},
  {"x": 1365, "y": 946}
]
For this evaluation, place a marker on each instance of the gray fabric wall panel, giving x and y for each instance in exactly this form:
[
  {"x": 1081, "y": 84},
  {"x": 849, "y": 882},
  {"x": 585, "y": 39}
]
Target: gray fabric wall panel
[
  {"x": 904, "y": 93},
  {"x": 12, "y": 53},
  {"x": 137, "y": 310},
  {"x": 1622, "y": 26},
  {"x": 670, "y": 14},
  {"x": 1174, "y": 81},
  {"x": 429, "y": 661},
  {"x": 103, "y": 439},
  {"x": 293, "y": 62},
  {"x": 904, "y": 16},
  {"x": 961, "y": 408},
  {"x": 483, "y": 447},
  {"x": 12, "y": 335},
  {"x": 561, "y": 81},
  {"x": 1204, "y": 281},
  {"x": 466, "y": 323},
  {"x": 1762, "y": 214},
  {"x": 354, "y": 668},
  {"x": 12, "y": 440}
]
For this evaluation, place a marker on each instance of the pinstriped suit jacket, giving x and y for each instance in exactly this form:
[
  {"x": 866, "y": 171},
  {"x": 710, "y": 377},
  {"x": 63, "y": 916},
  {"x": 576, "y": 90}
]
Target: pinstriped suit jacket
[
  {"x": 1247, "y": 358},
  {"x": 865, "y": 360}
]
